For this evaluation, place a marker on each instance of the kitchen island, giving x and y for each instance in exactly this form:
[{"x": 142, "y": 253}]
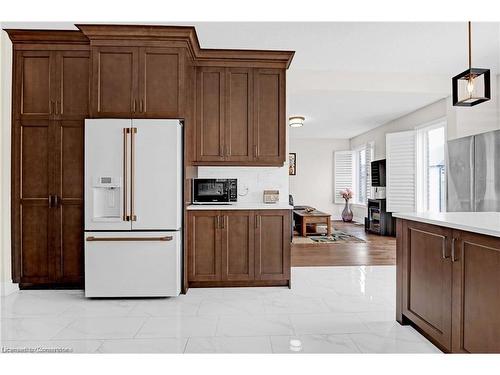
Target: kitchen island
[{"x": 448, "y": 278}]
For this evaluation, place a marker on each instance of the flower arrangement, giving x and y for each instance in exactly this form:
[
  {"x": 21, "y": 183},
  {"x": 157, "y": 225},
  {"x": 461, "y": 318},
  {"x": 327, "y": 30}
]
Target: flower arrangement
[{"x": 346, "y": 194}]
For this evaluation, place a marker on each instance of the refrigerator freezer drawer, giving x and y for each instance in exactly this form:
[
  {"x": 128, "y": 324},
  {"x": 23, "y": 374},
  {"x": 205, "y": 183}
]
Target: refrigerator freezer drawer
[{"x": 132, "y": 264}]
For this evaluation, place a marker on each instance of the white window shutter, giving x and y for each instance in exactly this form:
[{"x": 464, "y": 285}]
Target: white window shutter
[
  {"x": 343, "y": 173},
  {"x": 401, "y": 171},
  {"x": 369, "y": 152}
]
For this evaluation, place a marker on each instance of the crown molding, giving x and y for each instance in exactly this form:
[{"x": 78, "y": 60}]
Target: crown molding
[{"x": 20, "y": 36}]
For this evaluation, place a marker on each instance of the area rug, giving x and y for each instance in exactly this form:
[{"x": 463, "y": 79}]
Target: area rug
[{"x": 337, "y": 236}]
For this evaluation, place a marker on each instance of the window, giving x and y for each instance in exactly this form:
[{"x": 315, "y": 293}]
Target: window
[
  {"x": 353, "y": 170},
  {"x": 431, "y": 182},
  {"x": 362, "y": 173}
]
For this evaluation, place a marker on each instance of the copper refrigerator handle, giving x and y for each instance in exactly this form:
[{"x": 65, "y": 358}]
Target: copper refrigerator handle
[
  {"x": 96, "y": 239},
  {"x": 133, "y": 216},
  {"x": 125, "y": 217}
]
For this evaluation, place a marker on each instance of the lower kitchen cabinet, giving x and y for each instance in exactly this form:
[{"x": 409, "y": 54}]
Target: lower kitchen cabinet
[
  {"x": 238, "y": 248},
  {"x": 449, "y": 286},
  {"x": 476, "y": 293},
  {"x": 427, "y": 274}
]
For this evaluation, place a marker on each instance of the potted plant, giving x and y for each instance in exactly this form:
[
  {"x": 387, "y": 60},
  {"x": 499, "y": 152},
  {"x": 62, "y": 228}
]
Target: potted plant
[{"x": 347, "y": 194}]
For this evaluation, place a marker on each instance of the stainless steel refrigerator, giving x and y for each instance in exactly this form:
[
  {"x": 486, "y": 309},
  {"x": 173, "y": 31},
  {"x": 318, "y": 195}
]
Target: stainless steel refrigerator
[{"x": 474, "y": 173}]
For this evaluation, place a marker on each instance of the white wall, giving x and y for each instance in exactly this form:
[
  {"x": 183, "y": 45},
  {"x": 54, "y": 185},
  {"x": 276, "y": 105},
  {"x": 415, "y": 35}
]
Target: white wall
[
  {"x": 421, "y": 116},
  {"x": 461, "y": 121},
  {"x": 6, "y": 285},
  {"x": 252, "y": 181},
  {"x": 314, "y": 182}
]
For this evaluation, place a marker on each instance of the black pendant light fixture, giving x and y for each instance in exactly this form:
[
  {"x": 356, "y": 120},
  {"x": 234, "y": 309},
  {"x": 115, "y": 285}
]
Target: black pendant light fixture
[{"x": 472, "y": 86}]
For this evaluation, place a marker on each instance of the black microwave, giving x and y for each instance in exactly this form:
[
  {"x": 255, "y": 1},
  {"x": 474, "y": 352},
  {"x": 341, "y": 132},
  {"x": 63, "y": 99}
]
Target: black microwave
[{"x": 215, "y": 190}]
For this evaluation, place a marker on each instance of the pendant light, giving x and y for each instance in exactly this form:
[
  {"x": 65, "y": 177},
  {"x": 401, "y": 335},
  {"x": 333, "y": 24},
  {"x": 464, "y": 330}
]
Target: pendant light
[{"x": 472, "y": 86}]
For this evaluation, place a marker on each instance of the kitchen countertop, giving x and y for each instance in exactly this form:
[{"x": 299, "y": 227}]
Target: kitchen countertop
[
  {"x": 487, "y": 223},
  {"x": 241, "y": 206}
]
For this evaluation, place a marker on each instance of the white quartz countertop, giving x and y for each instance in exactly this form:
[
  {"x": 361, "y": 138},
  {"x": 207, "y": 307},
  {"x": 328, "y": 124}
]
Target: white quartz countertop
[
  {"x": 241, "y": 206},
  {"x": 487, "y": 223}
]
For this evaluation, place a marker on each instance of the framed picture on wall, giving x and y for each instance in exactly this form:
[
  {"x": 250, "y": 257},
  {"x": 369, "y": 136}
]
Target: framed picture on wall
[{"x": 292, "y": 164}]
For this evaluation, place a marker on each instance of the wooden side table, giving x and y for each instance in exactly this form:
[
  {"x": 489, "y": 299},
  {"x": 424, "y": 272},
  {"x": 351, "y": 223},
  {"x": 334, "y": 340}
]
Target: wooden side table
[{"x": 315, "y": 217}]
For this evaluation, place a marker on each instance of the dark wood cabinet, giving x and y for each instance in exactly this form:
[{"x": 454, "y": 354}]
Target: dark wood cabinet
[
  {"x": 448, "y": 285},
  {"x": 238, "y": 134},
  {"x": 476, "y": 293},
  {"x": 210, "y": 112},
  {"x": 145, "y": 82},
  {"x": 238, "y": 247},
  {"x": 204, "y": 243},
  {"x": 272, "y": 245},
  {"x": 50, "y": 103},
  {"x": 240, "y": 116},
  {"x": 427, "y": 279},
  {"x": 269, "y": 116}
]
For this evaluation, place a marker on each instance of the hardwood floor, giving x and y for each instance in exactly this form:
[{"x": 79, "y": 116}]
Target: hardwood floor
[{"x": 377, "y": 250}]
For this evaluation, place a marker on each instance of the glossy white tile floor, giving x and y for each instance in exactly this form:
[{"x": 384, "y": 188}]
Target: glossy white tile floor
[{"x": 328, "y": 310}]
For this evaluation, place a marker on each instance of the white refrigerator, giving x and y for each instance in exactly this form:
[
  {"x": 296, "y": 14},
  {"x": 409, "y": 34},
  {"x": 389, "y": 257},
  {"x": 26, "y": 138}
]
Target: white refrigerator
[{"x": 133, "y": 207}]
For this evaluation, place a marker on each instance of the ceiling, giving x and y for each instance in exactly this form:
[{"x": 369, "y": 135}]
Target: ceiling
[{"x": 349, "y": 77}]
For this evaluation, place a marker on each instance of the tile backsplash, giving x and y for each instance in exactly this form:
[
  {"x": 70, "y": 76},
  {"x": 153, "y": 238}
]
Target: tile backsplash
[{"x": 252, "y": 181}]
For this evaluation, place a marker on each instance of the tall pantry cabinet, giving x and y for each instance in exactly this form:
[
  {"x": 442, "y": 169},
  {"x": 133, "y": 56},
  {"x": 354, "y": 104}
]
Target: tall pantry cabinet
[{"x": 50, "y": 102}]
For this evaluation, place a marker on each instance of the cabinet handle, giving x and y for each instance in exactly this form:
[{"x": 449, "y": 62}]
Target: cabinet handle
[
  {"x": 257, "y": 222},
  {"x": 444, "y": 252},
  {"x": 164, "y": 238},
  {"x": 223, "y": 222},
  {"x": 453, "y": 258},
  {"x": 255, "y": 151},
  {"x": 141, "y": 108},
  {"x": 57, "y": 201},
  {"x": 50, "y": 201},
  {"x": 134, "y": 106},
  {"x": 51, "y": 107},
  {"x": 221, "y": 150},
  {"x": 218, "y": 222}
]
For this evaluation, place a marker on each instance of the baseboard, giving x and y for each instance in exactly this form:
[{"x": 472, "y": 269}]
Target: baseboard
[{"x": 7, "y": 287}]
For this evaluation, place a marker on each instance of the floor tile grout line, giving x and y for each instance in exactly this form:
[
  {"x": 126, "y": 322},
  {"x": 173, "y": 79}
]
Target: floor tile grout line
[{"x": 141, "y": 327}]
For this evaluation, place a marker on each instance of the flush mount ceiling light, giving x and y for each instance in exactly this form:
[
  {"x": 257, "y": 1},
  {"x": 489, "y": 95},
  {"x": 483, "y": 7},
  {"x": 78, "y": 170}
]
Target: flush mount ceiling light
[
  {"x": 296, "y": 121},
  {"x": 472, "y": 86}
]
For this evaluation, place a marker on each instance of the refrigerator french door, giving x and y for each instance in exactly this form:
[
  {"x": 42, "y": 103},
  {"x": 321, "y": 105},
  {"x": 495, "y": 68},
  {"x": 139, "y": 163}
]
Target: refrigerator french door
[{"x": 133, "y": 195}]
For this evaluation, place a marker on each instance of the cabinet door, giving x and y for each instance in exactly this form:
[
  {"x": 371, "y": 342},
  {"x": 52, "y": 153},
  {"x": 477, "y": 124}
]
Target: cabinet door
[
  {"x": 476, "y": 293},
  {"x": 33, "y": 182},
  {"x": 237, "y": 245},
  {"x": 34, "y": 84},
  {"x": 269, "y": 116},
  {"x": 160, "y": 82},
  {"x": 69, "y": 205},
  {"x": 204, "y": 246},
  {"x": 272, "y": 245},
  {"x": 72, "y": 85},
  {"x": 427, "y": 272},
  {"x": 114, "y": 81},
  {"x": 210, "y": 86},
  {"x": 238, "y": 135}
]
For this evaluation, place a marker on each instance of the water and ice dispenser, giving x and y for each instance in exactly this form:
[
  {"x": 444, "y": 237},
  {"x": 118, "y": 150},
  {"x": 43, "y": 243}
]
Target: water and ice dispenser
[{"x": 107, "y": 198}]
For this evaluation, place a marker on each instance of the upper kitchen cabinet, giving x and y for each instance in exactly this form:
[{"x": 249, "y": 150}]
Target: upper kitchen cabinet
[
  {"x": 51, "y": 83},
  {"x": 161, "y": 82},
  {"x": 114, "y": 81},
  {"x": 269, "y": 116},
  {"x": 137, "y": 82},
  {"x": 240, "y": 118}
]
